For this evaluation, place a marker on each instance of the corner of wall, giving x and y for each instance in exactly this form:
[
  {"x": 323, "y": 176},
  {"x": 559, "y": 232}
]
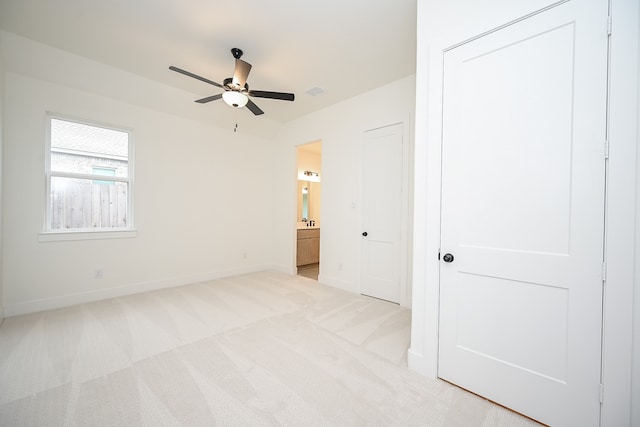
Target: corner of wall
[
  {"x": 1, "y": 175},
  {"x": 418, "y": 363}
]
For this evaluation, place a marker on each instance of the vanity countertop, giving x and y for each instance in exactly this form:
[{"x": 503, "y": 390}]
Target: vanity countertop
[{"x": 303, "y": 226}]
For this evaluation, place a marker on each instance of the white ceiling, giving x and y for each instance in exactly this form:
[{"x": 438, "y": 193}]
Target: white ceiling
[{"x": 346, "y": 47}]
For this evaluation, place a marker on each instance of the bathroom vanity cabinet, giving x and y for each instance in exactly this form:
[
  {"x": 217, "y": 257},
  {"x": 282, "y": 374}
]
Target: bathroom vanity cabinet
[{"x": 308, "y": 251}]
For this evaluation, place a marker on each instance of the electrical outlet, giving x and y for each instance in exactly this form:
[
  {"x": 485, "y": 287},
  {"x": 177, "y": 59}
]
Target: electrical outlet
[{"x": 98, "y": 273}]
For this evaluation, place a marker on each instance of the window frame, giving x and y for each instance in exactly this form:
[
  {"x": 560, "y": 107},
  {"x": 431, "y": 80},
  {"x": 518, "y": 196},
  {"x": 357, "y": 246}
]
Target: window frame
[{"x": 48, "y": 234}]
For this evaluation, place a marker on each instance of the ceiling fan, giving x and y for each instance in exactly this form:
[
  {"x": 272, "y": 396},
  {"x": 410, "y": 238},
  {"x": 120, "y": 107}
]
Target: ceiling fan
[{"x": 236, "y": 90}]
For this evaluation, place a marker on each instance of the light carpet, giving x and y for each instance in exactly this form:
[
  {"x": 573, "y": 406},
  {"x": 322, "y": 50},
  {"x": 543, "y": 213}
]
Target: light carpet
[{"x": 263, "y": 349}]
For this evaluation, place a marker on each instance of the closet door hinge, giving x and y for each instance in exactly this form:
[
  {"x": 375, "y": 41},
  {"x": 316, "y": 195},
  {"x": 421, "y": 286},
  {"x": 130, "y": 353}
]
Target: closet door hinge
[
  {"x": 606, "y": 149},
  {"x": 604, "y": 271},
  {"x": 601, "y": 393},
  {"x": 609, "y": 25}
]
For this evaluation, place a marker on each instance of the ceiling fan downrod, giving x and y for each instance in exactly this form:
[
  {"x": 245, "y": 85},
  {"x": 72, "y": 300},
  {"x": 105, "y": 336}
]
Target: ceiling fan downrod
[{"x": 237, "y": 53}]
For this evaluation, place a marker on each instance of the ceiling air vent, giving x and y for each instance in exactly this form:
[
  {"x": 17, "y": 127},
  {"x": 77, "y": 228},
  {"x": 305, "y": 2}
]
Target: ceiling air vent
[{"x": 315, "y": 91}]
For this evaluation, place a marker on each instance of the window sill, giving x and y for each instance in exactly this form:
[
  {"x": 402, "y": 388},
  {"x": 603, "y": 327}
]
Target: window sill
[{"x": 55, "y": 236}]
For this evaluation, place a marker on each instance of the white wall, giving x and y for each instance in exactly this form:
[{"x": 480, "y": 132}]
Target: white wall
[
  {"x": 1, "y": 175},
  {"x": 309, "y": 160},
  {"x": 340, "y": 128},
  {"x": 202, "y": 193},
  {"x": 621, "y": 367},
  {"x": 442, "y": 24}
]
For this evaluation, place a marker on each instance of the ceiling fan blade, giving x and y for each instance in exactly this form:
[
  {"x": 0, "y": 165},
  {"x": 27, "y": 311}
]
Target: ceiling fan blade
[
  {"x": 272, "y": 95},
  {"x": 241, "y": 72},
  {"x": 254, "y": 108},
  {"x": 209, "y": 98},
  {"x": 195, "y": 76}
]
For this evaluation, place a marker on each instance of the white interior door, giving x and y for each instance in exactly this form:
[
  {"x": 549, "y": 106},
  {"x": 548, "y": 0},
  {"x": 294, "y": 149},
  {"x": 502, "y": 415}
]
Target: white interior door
[
  {"x": 523, "y": 174},
  {"x": 381, "y": 212}
]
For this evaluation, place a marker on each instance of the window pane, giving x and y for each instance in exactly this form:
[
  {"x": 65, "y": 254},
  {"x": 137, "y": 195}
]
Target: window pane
[
  {"x": 85, "y": 204},
  {"x": 104, "y": 172},
  {"x": 76, "y": 147}
]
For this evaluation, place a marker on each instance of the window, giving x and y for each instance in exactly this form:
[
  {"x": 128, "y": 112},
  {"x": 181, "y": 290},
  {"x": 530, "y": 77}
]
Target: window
[
  {"x": 88, "y": 177},
  {"x": 97, "y": 170}
]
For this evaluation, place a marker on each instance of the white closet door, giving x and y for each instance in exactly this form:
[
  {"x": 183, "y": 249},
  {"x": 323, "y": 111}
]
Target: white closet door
[
  {"x": 523, "y": 190},
  {"x": 382, "y": 212}
]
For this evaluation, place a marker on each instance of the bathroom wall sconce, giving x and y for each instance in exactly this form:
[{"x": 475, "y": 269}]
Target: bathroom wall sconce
[{"x": 309, "y": 176}]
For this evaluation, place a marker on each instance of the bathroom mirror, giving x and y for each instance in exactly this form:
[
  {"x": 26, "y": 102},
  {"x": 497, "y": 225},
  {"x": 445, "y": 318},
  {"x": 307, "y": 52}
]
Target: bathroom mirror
[{"x": 308, "y": 200}]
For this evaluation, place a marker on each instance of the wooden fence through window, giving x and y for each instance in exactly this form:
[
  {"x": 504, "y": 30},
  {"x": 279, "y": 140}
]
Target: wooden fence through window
[{"x": 82, "y": 204}]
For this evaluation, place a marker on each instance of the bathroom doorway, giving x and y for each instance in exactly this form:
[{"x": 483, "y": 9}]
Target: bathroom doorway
[{"x": 308, "y": 205}]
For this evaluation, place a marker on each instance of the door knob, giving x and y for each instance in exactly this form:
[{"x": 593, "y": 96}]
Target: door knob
[
  {"x": 365, "y": 234},
  {"x": 447, "y": 258}
]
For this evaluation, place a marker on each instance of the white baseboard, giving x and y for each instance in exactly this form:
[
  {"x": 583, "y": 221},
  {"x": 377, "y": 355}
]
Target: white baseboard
[
  {"x": 417, "y": 362},
  {"x": 337, "y": 283},
  {"x": 43, "y": 304}
]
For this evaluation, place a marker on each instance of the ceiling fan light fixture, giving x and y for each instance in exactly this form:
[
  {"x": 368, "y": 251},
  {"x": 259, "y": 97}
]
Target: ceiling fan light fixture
[{"x": 235, "y": 99}]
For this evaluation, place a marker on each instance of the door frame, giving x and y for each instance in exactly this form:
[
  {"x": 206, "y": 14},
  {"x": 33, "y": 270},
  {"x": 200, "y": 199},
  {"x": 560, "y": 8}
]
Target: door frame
[
  {"x": 405, "y": 298},
  {"x": 294, "y": 266},
  {"x": 443, "y": 29}
]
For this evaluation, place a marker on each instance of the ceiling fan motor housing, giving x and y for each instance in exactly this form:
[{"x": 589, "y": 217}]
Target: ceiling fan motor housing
[{"x": 230, "y": 85}]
